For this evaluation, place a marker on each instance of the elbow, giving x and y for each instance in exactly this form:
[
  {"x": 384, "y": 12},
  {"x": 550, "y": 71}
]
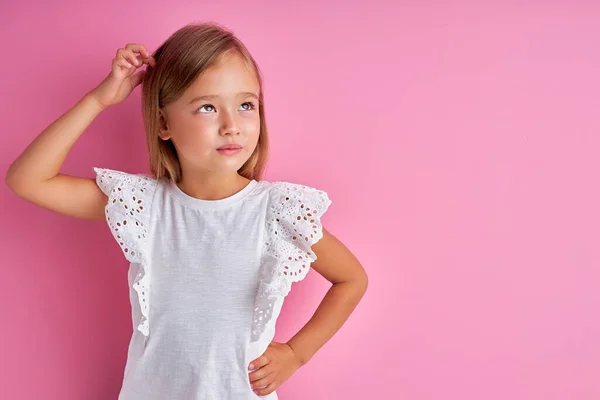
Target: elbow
[
  {"x": 14, "y": 183},
  {"x": 9, "y": 179},
  {"x": 364, "y": 283},
  {"x": 359, "y": 284}
]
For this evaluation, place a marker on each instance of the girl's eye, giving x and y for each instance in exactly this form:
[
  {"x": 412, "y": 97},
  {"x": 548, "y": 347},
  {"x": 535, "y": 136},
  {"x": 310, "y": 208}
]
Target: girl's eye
[
  {"x": 207, "y": 108},
  {"x": 247, "y": 106}
]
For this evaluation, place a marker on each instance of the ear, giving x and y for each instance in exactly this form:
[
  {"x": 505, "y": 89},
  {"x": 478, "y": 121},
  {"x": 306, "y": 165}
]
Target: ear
[{"x": 163, "y": 126}]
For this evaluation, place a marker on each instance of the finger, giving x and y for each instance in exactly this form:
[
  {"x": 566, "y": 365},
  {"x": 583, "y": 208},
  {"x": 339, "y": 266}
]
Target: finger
[
  {"x": 121, "y": 64},
  {"x": 125, "y": 58},
  {"x": 258, "y": 363},
  {"x": 141, "y": 50},
  {"x": 264, "y": 382},
  {"x": 151, "y": 61},
  {"x": 138, "y": 48},
  {"x": 260, "y": 373},
  {"x": 132, "y": 58},
  {"x": 267, "y": 390},
  {"x": 136, "y": 79}
]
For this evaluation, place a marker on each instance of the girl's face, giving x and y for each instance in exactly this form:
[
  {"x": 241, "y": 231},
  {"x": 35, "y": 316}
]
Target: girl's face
[{"x": 220, "y": 108}]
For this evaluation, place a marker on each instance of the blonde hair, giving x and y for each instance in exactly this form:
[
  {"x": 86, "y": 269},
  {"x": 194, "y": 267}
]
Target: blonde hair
[{"x": 179, "y": 61}]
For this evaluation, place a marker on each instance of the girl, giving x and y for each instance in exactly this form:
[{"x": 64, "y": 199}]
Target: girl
[{"x": 213, "y": 249}]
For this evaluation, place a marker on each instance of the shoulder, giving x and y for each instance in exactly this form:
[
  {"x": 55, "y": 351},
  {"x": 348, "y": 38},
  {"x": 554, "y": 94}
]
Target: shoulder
[
  {"x": 296, "y": 195},
  {"x": 295, "y": 211},
  {"x": 130, "y": 196},
  {"x": 294, "y": 190},
  {"x": 130, "y": 199},
  {"x": 112, "y": 182}
]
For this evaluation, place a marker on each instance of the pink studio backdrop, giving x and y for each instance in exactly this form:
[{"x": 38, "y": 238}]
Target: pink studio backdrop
[{"x": 459, "y": 144}]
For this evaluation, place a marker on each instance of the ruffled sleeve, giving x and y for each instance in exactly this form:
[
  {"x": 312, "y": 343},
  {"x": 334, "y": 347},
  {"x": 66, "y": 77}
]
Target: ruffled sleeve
[
  {"x": 293, "y": 225},
  {"x": 128, "y": 214}
]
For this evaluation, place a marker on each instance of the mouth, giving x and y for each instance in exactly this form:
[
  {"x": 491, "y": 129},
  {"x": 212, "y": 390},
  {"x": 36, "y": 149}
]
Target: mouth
[{"x": 230, "y": 149}]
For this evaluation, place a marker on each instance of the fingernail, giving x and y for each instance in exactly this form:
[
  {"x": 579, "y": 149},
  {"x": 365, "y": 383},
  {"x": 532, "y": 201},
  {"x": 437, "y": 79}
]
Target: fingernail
[{"x": 251, "y": 366}]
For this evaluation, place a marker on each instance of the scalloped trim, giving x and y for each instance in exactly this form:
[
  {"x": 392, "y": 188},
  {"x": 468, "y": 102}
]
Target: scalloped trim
[
  {"x": 293, "y": 225},
  {"x": 127, "y": 215}
]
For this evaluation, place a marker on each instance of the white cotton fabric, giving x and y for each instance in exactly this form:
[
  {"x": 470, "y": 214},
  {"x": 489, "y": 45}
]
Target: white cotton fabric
[{"x": 207, "y": 279}]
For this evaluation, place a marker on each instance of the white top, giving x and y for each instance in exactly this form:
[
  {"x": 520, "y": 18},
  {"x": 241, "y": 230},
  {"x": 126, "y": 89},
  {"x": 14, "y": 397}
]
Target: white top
[{"x": 207, "y": 279}]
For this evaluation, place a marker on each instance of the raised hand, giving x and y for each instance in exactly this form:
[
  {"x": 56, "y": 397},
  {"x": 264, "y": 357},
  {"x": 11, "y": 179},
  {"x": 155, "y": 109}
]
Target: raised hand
[{"x": 121, "y": 81}]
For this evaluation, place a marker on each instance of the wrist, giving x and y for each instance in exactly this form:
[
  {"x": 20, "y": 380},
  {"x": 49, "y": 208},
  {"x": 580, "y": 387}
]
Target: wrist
[
  {"x": 91, "y": 99},
  {"x": 302, "y": 360}
]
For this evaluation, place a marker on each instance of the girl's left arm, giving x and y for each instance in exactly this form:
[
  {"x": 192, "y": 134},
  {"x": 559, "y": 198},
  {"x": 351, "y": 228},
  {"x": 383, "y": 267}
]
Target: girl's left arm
[{"x": 349, "y": 283}]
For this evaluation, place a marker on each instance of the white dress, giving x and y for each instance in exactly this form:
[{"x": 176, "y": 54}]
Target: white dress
[{"x": 207, "y": 279}]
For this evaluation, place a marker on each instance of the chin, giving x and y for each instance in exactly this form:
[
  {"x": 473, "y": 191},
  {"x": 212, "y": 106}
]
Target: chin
[{"x": 230, "y": 168}]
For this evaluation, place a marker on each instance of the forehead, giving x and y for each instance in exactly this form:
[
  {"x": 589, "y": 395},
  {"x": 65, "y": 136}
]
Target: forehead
[{"x": 230, "y": 75}]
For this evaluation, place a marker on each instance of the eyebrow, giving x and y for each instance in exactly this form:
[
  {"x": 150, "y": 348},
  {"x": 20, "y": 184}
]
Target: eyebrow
[{"x": 214, "y": 96}]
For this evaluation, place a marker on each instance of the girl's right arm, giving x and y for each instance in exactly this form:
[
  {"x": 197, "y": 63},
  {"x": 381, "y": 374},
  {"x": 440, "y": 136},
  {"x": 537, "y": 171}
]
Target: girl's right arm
[{"x": 35, "y": 175}]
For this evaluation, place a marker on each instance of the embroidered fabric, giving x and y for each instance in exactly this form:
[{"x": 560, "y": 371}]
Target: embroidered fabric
[
  {"x": 127, "y": 215},
  {"x": 293, "y": 225}
]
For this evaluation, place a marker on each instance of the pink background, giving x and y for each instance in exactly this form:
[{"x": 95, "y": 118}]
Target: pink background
[{"x": 459, "y": 144}]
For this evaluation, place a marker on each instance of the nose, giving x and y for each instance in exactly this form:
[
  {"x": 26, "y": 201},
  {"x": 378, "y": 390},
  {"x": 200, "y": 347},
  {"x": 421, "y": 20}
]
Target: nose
[{"x": 229, "y": 126}]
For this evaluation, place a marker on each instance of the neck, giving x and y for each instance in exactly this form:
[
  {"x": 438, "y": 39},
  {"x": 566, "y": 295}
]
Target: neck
[{"x": 211, "y": 186}]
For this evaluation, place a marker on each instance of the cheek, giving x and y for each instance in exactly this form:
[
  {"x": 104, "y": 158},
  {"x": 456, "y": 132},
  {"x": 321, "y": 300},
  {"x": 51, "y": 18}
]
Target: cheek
[
  {"x": 252, "y": 128},
  {"x": 195, "y": 132}
]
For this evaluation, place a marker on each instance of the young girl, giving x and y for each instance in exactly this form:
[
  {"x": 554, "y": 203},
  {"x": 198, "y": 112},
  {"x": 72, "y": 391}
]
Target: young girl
[{"x": 213, "y": 249}]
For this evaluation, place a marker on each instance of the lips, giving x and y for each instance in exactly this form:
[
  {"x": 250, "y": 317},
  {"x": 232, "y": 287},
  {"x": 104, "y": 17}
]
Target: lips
[{"x": 230, "y": 147}]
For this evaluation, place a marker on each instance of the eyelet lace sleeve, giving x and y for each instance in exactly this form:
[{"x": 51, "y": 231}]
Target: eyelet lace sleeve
[
  {"x": 293, "y": 225},
  {"x": 127, "y": 215}
]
